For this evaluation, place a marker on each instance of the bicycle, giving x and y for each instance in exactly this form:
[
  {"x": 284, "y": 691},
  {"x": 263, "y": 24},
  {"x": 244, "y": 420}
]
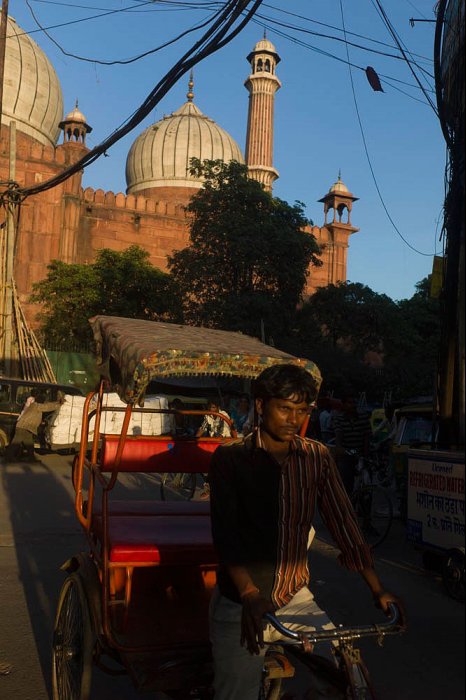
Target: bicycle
[
  {"x": 372, "y": 505},
  {"x": 349, "y": 679}
]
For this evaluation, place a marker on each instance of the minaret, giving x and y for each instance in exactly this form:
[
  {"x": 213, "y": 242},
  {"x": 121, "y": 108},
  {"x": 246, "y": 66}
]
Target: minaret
[
  {"x": 262, "y": 85},
  {"x": 75, "y": 129},
  {"x": 336, "y": 231}
]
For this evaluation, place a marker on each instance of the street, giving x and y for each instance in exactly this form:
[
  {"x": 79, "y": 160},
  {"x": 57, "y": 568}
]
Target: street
[{"x": 38, "y": 532}]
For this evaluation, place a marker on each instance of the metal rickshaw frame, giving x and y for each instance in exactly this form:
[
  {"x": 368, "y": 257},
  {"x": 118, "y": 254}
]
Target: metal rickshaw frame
[{"x": 134, "y": 353}]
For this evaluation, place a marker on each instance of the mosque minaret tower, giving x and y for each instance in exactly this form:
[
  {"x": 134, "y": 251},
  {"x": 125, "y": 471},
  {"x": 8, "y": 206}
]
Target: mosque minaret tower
[{"x": 262, "y": 84}]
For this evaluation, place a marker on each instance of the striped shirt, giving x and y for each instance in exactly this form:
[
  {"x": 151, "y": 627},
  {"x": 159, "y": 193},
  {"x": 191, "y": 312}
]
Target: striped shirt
[
  {"x": 262, "y": 513},
  {"x": 352, "y": 432}
]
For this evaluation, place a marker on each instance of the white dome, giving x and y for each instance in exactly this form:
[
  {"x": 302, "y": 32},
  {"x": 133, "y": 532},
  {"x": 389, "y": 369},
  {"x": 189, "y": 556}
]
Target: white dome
[
  {"x": 75, "y": 116},
  {"x": 32, "y": 95},
  {"x": 264, "y": 45},
  {"x": 339, "y": 188},
  {"x": 161, "y": 155}
]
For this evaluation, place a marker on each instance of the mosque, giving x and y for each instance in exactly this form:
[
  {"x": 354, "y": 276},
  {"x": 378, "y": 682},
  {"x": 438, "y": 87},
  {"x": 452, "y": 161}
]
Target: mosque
[{"x": 71, "y": 224}]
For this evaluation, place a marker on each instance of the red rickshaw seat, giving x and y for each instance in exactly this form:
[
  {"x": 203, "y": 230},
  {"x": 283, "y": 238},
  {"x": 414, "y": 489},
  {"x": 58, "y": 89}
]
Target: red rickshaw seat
[
  {"x": 158, "y": 540},
  {"x": 159, "y": 454}
]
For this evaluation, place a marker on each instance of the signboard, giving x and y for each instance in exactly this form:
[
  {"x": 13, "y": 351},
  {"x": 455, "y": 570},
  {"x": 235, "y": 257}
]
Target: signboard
[{"x": 436, "y": 498}]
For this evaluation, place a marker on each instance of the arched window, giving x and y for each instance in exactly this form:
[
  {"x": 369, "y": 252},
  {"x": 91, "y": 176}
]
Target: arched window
[
  {"x": 260, "y": 65},
  {"x": 268, "y": 66}
]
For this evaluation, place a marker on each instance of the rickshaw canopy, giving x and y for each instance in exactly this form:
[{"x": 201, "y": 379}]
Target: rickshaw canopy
[{"x": 135, "y": 352}]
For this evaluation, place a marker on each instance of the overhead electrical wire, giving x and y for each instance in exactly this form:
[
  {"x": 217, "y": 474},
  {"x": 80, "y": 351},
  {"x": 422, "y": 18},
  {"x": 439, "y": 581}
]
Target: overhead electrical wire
[
  {"x": 379, "y": 8},
  {"x": 225, "y": 26},
  {"x": 338, "y": 29},
  {"x": 369, "y": 160},
  {"x": 121, "y": 62},
  {"x": 303, "y": 44},
  {"x": 210, "y": 5}
]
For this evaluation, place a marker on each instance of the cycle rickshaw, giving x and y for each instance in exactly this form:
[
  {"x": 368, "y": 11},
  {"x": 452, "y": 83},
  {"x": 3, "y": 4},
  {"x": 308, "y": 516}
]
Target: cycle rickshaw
[{"x": 137, "y": 600}]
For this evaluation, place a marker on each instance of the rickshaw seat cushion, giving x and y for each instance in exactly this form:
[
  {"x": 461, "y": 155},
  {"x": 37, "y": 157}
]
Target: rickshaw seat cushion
[
  {"x": 160, "y": 540},
  {"x": 159, "y": 454}
]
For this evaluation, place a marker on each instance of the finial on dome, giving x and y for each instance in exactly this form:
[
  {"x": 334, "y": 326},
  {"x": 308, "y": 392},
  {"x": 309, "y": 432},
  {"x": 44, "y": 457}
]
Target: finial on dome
[
  {"x": 339, "y": 175},
  {"x": 265, "y": 32},
  {"x": 76, "y": 104},
  {"x": 190, "y": 94}
]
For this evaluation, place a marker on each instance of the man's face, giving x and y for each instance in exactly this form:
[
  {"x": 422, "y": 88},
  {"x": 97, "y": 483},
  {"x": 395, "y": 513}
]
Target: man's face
[
  {"x": 213, "y": 408},
  {"x": 283, "y": 418}
]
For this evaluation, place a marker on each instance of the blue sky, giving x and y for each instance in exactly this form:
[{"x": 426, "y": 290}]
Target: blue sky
[{"x": 317, "y": 129}]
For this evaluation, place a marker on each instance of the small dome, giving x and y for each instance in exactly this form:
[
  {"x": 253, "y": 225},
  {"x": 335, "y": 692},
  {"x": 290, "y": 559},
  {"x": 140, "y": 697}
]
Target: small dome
[
  {"x": 32, "y": 95},
  {"x": 339, "y": 187},
  {"x": 76, "y": 116},
  {"x": 161, "y": 155},
  {"x": 265, "y": 45}
]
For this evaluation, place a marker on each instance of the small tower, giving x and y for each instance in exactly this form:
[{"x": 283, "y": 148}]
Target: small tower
[
  {"x": 336, "y": 232},
  {"x": 262, "y": 85},
  {"x": 75, "y": 128}
]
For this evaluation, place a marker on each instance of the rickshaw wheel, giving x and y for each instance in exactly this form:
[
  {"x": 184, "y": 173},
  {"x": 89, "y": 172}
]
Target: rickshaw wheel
[
  {"x": 73, "y": 644},
  {"x": 453, "y": 573}
]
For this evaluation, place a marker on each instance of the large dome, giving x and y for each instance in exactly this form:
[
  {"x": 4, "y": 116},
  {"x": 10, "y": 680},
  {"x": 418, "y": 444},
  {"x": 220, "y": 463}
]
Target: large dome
[
  {"x": 161, "y": 155},
  {"x": 32, "y": 95}
]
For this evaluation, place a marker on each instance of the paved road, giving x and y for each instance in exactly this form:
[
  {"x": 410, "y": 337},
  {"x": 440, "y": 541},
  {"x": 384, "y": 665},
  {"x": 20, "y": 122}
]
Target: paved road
[{"x": 38, "y": 533}]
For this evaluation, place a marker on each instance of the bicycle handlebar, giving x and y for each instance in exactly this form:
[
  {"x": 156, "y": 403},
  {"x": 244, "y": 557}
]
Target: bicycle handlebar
[{"x": 393, "y": 626}]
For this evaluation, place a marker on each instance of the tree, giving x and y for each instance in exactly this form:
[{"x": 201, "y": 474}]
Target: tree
[
  {"x": 117, "y": 284},
  {"x": 248, "y": 258},
  {"x": 413, "y": 347},
  {"x": 344, "y": 326}
]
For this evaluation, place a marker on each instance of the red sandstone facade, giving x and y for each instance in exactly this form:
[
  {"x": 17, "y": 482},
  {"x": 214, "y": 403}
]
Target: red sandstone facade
[{"x": 70, "y": 224}]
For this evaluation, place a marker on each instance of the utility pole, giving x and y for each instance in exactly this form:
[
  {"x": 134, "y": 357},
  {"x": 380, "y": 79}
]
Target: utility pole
[
  {"x": 3, "y": 29},
  {"x": 8, "y": 345}
]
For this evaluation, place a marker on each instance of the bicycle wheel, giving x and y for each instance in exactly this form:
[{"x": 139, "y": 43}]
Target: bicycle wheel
[
  {"x": 180, "y": 485},
  {"x": 374, "y": 510},
  {"x": 271, "y": 689},
  {"x": 359, "y": 686},
  {"x": 73, "y": 644}
]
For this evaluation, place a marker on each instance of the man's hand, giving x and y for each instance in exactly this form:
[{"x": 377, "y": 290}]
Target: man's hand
[
  {"x": 252, "y": 622},
  {"x": 384, "y": 598}
]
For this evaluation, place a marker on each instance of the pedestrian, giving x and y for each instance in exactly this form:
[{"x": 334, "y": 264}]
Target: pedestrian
[
  {"x": 327, "y": 431},
  {"x": 240, "y": 414},
  {"x": 352, "y": 439},
  {"x": 264, "y": 492},
  {"x": 27, "y": 428},
  {"x": 213, "y": 425}
]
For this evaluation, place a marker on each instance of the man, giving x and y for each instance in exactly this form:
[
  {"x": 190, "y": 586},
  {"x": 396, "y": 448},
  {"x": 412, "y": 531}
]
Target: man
[
  {"x": 27, "y": 427},
  {"x": 352, "y": 439},
  {"x": 214, "y": 426},
  {"x": 327, "y": 432},
  {"x": 264, "y": 490}
]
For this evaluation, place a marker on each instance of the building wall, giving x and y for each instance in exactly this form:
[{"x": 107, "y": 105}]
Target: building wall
[{"x": 71, "y": 224}]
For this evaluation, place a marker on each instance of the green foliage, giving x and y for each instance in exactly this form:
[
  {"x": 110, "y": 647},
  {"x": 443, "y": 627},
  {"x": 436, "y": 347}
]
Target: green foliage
[
  {"x": 117, "y": 284},
  {"x": 248, "y": 257},
  {"x": 366, "y": 341}
]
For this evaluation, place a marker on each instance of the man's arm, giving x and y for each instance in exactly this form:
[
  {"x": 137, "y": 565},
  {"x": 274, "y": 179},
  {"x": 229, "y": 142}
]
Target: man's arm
[
  {"x": 225, "y": 528},
  {"x": 339, "y": 516}
]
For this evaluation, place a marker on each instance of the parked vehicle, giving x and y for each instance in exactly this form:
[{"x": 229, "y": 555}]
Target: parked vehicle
[{"x": 13, "y": 395}]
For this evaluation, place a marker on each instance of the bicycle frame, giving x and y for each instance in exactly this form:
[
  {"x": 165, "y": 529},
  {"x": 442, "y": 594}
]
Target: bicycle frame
[{"x": 350, "y": 662}]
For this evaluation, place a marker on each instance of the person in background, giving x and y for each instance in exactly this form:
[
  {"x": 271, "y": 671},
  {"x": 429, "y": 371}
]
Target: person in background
[
  {"x": 352, "y": 439},
  {"x": 178, "y": 421},
  {"x": 327, "y": 432},
  {"x": 240, "y": 414},
  {"x": 264, "y": 492},
  {"x": 27, "y": 427},
  {"x": 214, "y": 426}
]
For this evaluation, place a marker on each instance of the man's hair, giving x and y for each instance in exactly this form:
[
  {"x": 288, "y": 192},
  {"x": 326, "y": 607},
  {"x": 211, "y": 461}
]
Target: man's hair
[
  {"x": 284, "y": 381},
  {"x": 40, "y": 397}
]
